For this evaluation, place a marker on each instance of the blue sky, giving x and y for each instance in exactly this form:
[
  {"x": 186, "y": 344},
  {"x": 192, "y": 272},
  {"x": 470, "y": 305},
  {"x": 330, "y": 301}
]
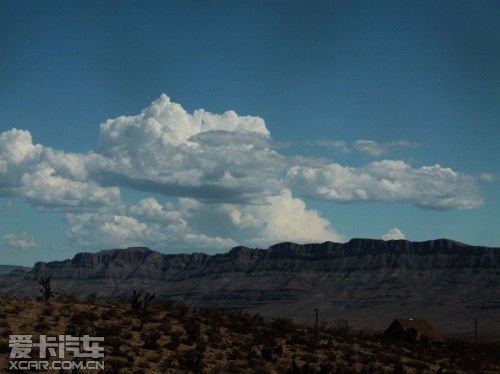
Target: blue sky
[{"x": 197, "y": 126}]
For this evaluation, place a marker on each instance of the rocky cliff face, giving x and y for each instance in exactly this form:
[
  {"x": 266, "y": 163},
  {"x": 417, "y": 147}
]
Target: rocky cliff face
[{"x": 366, "y": 281}]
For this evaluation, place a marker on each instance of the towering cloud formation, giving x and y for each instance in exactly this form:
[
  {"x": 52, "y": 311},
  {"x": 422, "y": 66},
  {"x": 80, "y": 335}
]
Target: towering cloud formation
[
  {"x": 225, "y": 182},
  {"x": 213, "y": 158}
]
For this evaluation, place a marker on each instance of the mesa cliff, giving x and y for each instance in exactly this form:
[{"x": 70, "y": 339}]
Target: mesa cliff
[{"x": 368, "y": 282}]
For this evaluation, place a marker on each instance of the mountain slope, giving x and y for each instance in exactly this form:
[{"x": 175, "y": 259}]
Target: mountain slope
[
  {"x": 4, "y": 269},
  {"x": 368, "y": 282}
]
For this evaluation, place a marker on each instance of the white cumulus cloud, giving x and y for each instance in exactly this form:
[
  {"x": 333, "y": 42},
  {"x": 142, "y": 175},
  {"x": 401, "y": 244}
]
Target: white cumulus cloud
[
  {"x": 223, "y": 176},
  {"x": 145, "y": 223},
  {"x": 287, "y": 219},
  {"x": 16, "y": 147},
  {"x": 428, "y": 187},
  {"x": 394, "y": 234},
  {"x": 210, "y": 157},
  {"x": 282, "y": 218},
  {"x": 47, "y": 190},
  {"x": 49, "y": 179},
  {"x": 22, "y": 240}
]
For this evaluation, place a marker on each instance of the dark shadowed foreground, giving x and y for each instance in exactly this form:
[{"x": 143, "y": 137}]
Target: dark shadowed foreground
[{"x": 170, "y": 338}]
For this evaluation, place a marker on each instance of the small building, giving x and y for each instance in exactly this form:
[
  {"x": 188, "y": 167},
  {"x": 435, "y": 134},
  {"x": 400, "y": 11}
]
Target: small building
[{"x": 412, "y": 330}]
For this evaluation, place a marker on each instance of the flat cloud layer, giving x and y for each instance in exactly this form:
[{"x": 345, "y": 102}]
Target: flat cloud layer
[
  {"x": 220, "y": 168},
  {"x": 373, "y": 148},
  {"x": 428, "y": 187}
]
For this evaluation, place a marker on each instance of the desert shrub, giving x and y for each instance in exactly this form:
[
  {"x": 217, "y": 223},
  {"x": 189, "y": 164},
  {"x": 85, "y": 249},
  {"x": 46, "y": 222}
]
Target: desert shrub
[
  {"x": 420, "y": 366},
  {"x": 331, "y": 356},
  {"x": 4, "y": 346},
  {"x": 72, "y": 329},
  {"x": 326, "y": 368},
  {"x": 42, "y": 326},
  {"x": 126, "y": 335},
  {"x": 84, "y": 317},
  {"x": 136, "y": 351},
  {"x": 109, "y": 313},
  {"x": 399, "y": 368},
  {"x": 283, "y": 326},
  {"x": 341, "y": 328},
  {"x": 240, "y": 322},
  {"x": 168, "y": 363},
  {"x": 214, "y": 336},
  {"x": 47, "y": 311},
  {"x": 15, "y": 309},
  {"x": 223, "y": 368},
  {"x": 348, "y": 355},
  {"x": 294, "y": 368},
  {"x": 115, "y": 343},
  {"x": 212, "y": 316},
  {"x": 278, "y": 350},
  {"x": 151, "y": 339},
  {"x": 46, "y": 289},
  {"x": 236, "y": 354},
  {"x": 108, "y": 329},
  {"x": 267, "y": 353},
  {"x": 181, "y": 312},
  {"x": 139, "y": 326},
  {"x": 192, "y": 360},
  {"x": 308, "y": 368},
  {"x": 140, "y": 304},
  {"x": 346, "y": 369},
  {"x": 65, "y": 312},
  {"x": 328, "y": 344},
  {"x": 264, "y": 336},
  {"x": 309, "y": 357},
  {"x": 67, "y": 298},
  {"x": 219, "y": 355},
  {"x": 115, "y": 364},
  {"x": 175, "y": 340},
  {"x": 193, "y": 330},
  {"x": 91, "y": 298},
  {"x": 258, "y": 320},
  {"x": 259, "y": 366},
  {"x": 144, "y": 364},
  {"x": 201, "y": 347},
  {"x": 165, "y": 327},
  {"x": 298, "y": 337}
]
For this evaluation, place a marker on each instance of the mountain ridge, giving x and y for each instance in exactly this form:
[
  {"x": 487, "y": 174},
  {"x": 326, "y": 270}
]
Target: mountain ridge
[
  {"x": 364, "y": 280},
  {"x": 5, "y": 269},
  {"x": 313, "y": 251}
]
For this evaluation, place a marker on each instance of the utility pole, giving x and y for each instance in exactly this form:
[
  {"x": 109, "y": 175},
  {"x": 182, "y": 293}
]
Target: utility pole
[
  {"x": 475, "y": 329},
  {"x": 316, "y": 324}
]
